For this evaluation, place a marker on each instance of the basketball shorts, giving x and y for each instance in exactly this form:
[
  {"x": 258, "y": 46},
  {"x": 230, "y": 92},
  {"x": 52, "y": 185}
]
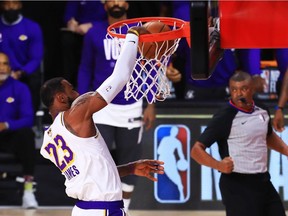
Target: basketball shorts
[{"x": 95, "y": 208}]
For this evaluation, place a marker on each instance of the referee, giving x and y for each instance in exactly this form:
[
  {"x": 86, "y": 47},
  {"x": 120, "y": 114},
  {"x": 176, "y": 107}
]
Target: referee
[{"x": 243, "y": 132}]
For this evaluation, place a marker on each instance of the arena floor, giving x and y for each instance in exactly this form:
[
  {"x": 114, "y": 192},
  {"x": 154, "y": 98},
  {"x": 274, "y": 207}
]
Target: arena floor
[
  {"x": 66, "y": 211},
  {"x": 52, "y": 211}
]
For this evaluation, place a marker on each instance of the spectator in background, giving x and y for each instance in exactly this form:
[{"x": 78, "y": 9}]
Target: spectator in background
[
  {"x": 251, "y": 61},
  {"x": 282, "y": 88},
  {"x": 79, "y": 18},
  {"x": 278, "y": 121},
  {"x": 16, "y": 121},
  {"x": 120, "y": 122},
  {"x": 281, "y": 56},
  {"x": 25, "y": 44}
]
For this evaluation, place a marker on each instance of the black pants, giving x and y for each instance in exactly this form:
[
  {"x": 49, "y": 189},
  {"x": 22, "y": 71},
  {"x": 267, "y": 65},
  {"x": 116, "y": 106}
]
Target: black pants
[
  {"x": 250, "y": 195},
  {"x": 34, "y": 83},
  {"x": 127, "y": 147},
  {"x": 20, "y": 142}
]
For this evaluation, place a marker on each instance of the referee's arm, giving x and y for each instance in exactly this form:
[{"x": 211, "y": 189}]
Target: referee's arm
[{"x": 199, "y": 154}]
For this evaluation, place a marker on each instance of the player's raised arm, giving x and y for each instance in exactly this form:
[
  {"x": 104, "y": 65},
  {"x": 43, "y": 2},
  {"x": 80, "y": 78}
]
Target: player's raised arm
[{"x": 121, "y": 73}]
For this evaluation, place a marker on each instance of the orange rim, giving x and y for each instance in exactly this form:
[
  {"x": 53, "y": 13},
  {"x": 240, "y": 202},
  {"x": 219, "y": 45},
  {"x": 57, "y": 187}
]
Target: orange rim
[{"x": 183, "y": 29}]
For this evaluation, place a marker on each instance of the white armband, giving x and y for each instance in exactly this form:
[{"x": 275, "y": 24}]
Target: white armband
[{"x": 122, "y": 71}]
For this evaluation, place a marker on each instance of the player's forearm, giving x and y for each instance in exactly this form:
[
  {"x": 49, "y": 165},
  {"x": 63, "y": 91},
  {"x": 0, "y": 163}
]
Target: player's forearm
[
  {"x": 122, "y": 70},
  {"x": 126, "y": 169}
]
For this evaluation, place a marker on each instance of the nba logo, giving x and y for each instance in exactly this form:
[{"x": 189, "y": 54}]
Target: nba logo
[{"x": 172, "y": 145}]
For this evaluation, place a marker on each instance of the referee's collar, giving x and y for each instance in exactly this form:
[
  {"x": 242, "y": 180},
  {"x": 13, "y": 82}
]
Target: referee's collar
[{"x": 241, "y": 109}]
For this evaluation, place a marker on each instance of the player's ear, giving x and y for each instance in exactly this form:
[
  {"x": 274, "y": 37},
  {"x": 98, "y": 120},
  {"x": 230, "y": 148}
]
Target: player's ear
[{"x": 60, "y": 97}]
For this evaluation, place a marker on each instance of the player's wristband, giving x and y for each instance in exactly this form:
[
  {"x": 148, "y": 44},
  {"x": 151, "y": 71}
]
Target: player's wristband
[
  {"x": 279, "y": 108},
  {"x": 133, "y": 31},
  {"x": 131, "y": 167}
]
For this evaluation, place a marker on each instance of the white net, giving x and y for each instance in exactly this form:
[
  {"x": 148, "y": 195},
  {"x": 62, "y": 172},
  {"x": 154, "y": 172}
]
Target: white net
[{"x": 148, "y": 79}]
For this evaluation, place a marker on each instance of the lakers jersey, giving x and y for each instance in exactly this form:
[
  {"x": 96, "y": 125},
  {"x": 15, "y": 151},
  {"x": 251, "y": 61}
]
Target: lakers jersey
[{"x": 86, "y": 163}]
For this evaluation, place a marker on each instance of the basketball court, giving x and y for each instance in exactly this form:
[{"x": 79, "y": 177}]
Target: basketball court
[{"x": 67, "y": 212}]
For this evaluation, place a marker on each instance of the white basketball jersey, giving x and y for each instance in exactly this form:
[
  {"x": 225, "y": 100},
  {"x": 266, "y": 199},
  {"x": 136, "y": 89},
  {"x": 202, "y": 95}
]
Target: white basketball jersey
[{"x": 86, "y": 163}]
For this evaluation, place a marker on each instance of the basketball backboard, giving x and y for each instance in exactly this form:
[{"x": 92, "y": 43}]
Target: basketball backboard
[{"x": 205, "y": 39}]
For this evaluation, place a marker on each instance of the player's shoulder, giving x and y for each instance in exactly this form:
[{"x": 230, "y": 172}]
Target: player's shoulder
[{"x": 82, "y": 99}]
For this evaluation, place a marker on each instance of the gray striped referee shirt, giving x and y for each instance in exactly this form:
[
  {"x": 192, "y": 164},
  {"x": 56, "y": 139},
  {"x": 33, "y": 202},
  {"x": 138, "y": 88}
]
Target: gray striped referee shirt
[{"x": 240, "y": 135}]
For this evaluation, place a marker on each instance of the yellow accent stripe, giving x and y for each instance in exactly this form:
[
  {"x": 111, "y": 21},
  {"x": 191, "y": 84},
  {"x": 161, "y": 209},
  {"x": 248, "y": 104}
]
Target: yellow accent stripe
[{"x": 133, "y": 31}]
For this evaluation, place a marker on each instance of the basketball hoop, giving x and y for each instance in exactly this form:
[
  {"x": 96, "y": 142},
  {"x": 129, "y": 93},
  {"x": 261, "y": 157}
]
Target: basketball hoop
[{"x": 149, "y": 74}]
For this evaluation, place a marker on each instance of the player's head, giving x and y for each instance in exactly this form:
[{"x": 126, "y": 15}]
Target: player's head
[
  {"x": 116, "y": 8},
  {"x": 58, "y": 91},
  {"x": 241, "y": 89},
  {"x": 11, "y": 10},
  {"x": 5, "y": 69}
]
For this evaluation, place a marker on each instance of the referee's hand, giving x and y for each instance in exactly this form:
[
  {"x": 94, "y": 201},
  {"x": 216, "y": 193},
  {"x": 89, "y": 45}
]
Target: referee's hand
[{"x": 226, "y": 165}]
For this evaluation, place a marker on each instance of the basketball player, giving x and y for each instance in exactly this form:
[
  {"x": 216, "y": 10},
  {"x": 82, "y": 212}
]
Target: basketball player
[
  {"x": 243, "y": 133},
  {"x": 75, "y": 146},
  {"x": 121, "y": 118}
]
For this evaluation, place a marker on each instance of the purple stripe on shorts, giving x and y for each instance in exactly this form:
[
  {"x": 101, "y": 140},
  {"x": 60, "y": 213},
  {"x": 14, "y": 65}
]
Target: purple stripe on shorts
[{"x": 99, "y": 204}]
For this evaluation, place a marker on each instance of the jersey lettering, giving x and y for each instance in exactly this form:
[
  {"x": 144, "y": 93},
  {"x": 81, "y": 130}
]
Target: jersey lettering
[
  {"x": 62, "y": 154},
  {"x": 71, "y": 172}
]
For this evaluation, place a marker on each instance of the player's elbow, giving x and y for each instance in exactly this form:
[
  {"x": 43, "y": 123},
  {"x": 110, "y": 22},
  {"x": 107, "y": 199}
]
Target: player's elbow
[{"x": 196, "y": 150}]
